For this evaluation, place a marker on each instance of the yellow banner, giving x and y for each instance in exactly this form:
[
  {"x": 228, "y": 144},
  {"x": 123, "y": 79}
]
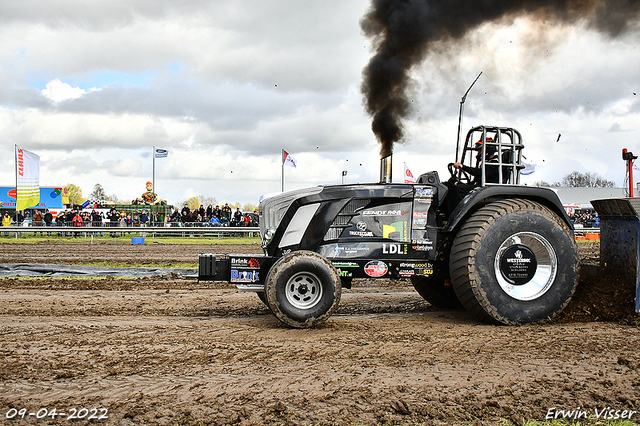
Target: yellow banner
[{"x": 65, "y": 195}]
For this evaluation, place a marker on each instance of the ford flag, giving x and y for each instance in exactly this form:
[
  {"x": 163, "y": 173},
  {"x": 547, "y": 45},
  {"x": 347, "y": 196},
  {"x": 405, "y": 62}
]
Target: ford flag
[{"x": 161, "y": 153}]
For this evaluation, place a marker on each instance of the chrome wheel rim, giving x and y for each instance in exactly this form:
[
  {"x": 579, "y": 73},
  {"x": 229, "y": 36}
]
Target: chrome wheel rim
[
  {"x": 533, "y": 280},
  {"x": 303, "y": 290}
]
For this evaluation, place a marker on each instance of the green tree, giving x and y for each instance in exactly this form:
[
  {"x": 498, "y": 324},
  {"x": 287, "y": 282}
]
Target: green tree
[
  {"x": 193, "y": 203},
  {"x": 75, "y": 194},
  {"x": 247, "y": 208}
]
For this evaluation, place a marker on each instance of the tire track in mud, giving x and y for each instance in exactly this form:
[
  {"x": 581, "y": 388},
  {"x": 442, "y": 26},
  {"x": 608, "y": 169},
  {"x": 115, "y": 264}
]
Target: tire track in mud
[{"x": 436, "y": 365}]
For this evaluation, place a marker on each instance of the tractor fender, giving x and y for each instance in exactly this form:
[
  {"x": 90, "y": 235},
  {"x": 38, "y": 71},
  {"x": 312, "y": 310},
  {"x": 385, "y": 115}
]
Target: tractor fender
[{"x": 482, "y": 196}]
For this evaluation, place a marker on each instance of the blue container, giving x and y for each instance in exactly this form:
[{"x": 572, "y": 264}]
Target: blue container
[{"x": 137, "y": 240}]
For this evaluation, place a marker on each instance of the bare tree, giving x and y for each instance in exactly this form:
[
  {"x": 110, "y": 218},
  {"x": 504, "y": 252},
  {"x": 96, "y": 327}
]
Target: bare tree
[
  {"x": 205, "y": 201},
  {"x": 112, "y": 198},
  {"x": 586, "y": 180},
  {"x": 98, "y": 193}
]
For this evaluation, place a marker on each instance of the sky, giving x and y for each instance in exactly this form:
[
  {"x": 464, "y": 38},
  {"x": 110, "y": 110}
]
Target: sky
[{"x": 225, "y": 85}]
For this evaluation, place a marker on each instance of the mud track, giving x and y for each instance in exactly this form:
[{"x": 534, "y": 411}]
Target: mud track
[{"x": 177, "y": 352}]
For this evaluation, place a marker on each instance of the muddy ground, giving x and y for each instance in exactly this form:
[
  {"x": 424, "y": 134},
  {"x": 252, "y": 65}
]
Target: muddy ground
[{"x": 173, "y": 351}]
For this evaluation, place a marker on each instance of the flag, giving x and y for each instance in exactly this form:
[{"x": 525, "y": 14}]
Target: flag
[
  {"x": 27, "y": 179},
  {"x": 161, "y": 153},
  {"x": 288, "y": 160},
  {"x": 528, "y": 168},
  {"x": 408, "y": 176}
]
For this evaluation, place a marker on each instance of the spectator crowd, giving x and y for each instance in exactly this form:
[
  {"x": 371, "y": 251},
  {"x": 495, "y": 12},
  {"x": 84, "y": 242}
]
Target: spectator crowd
[
  {"x": 210, "y": 216},
  {"x": 587, "y": 219},
  {"x": 213, "y": 216}
]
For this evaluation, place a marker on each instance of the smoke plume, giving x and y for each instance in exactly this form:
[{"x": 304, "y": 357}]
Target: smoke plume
[{"x": 404, "y": 30}]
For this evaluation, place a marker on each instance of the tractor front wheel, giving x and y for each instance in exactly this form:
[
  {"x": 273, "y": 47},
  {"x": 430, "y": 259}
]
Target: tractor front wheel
[{"x": 303, "y": 289}]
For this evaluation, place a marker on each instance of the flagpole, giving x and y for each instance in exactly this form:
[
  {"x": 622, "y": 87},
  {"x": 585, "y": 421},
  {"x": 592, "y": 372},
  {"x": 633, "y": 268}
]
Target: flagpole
[
  {"x": 153, "y": 178},
  {"x": 282, "y": 161}
]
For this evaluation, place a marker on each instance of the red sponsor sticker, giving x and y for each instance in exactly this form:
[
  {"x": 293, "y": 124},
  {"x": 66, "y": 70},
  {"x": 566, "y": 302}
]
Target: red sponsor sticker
[{"x": 376, "y": 268}]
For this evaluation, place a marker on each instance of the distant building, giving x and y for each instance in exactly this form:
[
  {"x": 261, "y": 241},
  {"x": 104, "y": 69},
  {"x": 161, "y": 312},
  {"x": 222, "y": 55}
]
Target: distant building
[{"x": 580, "y": 198}]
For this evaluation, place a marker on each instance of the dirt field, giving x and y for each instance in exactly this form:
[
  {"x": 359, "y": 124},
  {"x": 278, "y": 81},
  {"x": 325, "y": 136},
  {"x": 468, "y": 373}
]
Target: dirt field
[{"x": 172, "y": 351}]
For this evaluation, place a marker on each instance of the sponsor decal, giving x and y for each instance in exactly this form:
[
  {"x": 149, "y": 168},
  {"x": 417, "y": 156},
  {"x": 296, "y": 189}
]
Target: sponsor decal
[
  {"x": 419, "y": 214},
  {"x": 419, "y": 223},
  {"x": 343, "y": 268},
  {"x": 406, "y": 272},
  {"x": 361, "y": 230},
  {"x": 376, "y": 268},
  {"x": 424, "y": 192},
  {"x": 416, "y": 265},
  {"x": 394, "y": 249},
  {"x": 337, "y": 250},
  {"x": 518, "y": 264},
  {"x": 396, "y": 227},
  {"x": 244, "y": 276},
  {"x": 385, "y": 212},
  {"x": 424, "y": 195},
  {"x": 252, "y": 263},
  {"x": 345, "y": 264},
  {"x": 422, "y": 247},
  {"x": 361, "y": 233}
]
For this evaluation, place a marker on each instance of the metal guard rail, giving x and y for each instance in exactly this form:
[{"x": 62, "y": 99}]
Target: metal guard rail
[
  {"x": 146, "y": 230},
  {"x": 165, "y": 230}
]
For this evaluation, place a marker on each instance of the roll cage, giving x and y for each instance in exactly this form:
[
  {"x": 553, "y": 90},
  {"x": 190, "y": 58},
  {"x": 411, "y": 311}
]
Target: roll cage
[{"x": 508, "y": 143}]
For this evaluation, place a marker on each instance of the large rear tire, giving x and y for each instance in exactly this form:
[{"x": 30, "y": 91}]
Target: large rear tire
[
  {"x": 514, "y": 262},
  {"x": 303, "y": 289},
  {"x": 437, "y": 291}
]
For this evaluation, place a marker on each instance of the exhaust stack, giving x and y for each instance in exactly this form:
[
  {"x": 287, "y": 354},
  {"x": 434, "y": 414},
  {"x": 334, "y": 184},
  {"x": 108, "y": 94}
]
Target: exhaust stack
[{"x": 385, "y": 169}]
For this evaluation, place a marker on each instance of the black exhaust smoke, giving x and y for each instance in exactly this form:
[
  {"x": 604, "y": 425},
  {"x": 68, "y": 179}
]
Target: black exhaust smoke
[{"x": 403, "y": 31}]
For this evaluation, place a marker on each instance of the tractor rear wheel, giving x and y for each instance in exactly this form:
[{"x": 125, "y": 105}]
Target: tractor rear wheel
[
  {"x": 303, "y": 289},
  {"x": 514, "y": 262},
  {"x": 262, "y": 297},
  {"x": 437, "y": 291}
]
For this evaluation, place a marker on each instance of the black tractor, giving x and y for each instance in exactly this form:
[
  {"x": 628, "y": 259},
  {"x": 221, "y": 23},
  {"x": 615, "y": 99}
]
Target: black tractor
[{"x": 480, "y": 240}]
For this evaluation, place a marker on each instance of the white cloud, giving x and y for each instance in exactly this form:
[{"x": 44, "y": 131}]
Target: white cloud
[{"x": 58, "y": 91}]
